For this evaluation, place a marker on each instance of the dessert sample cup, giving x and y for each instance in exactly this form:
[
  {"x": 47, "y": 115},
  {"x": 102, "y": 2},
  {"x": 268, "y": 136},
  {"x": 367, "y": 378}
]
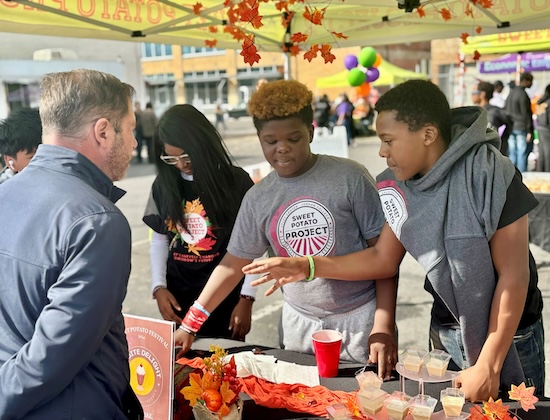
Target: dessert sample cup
[
  {"x": 412, "y": 359},
  {"x": 371, "y": 399},
  {"x": 326, "y": 346},
  {"x": 368, "y": 378},
  {"x": 452, "y": 400},
  {"x": 422, "y": 407},
  {"x": 436, "y": 363},
  {"x": 397, "y": 405}
]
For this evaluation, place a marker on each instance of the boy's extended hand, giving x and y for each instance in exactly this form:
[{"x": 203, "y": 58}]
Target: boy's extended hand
[
  {"x": 383, "y": 352},
  {"x": 478, "y": 383},
  {"x": 281, "y": 270}
]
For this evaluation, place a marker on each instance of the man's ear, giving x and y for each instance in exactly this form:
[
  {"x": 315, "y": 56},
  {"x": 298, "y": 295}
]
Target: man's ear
[
  {"x": 431, "y": 133},
  {"x": 102, "y": 129},
  {"x": 311, "y": 132}
]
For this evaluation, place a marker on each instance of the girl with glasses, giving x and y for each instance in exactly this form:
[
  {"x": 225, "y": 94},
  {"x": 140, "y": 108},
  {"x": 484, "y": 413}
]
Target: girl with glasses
[{"x": 192, "y": 209}]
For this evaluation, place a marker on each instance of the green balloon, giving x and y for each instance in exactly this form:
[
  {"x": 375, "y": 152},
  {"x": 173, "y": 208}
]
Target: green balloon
[
  {"x": 367, "y": 57},
  {"x": 356, "y": 77}
]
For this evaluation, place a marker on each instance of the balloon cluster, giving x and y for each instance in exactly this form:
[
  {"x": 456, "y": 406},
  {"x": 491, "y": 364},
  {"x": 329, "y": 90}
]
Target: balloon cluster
[{"x": 363, "y": 69}]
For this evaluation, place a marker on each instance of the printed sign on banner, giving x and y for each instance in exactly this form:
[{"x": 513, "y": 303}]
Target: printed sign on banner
[{"x": 151, "y": 357}]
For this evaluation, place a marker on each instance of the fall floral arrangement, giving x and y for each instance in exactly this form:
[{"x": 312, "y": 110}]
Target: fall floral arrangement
[
  {"x": 214, "y": 392},
  {"x": 496, "y": 410}
]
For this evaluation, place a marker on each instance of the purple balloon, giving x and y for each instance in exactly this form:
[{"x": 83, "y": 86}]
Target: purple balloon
[
  {"x": 372, "y": 74},
  {"x": 350, "y": 61}
]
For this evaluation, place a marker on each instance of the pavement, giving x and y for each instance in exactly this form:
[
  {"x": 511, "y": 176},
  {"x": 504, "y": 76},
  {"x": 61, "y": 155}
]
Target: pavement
[{"x": 413, "y": 303}]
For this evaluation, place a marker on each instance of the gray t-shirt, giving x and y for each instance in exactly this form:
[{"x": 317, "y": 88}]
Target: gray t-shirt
[{"x": 330, "y": 210}]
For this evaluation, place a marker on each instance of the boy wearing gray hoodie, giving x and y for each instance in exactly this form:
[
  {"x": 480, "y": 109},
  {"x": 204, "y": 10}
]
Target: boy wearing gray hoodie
[{"x": 459, "y": 207}]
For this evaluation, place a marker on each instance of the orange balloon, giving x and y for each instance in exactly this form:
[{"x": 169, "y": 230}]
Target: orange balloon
[
  {"x": 363, "y": 90},
  {"x": 378, "y": 60}
]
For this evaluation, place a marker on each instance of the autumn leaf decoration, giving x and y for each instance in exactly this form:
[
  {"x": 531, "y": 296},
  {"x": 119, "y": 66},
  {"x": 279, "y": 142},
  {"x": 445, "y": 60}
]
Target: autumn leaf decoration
[
  {"x": 244, "y": 17},
  {"x": 496, "y": 410},
  {"x": 446, "y": 15},
  {"x": 524, "y": 395}
]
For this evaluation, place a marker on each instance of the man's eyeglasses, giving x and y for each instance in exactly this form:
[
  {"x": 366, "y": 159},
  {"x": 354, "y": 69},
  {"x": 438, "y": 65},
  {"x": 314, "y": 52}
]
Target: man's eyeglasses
[
  {"x": 173, "y": 160},
  {"x": 476, "y": 92}
]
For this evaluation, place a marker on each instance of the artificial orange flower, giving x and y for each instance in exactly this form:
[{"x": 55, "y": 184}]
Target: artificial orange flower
[{"x": 524, "y": 395}]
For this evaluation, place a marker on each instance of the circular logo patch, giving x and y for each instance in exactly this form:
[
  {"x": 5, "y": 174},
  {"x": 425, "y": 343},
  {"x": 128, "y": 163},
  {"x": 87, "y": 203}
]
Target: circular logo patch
[{"x": 306, "y": 228}]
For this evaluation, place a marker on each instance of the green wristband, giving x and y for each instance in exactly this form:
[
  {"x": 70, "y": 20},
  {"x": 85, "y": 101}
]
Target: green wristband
[{"x": 311, "y": 268}]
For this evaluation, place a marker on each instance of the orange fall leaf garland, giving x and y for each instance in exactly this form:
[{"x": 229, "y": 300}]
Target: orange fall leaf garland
[
  {"x": 525, "y": 396},
  {"x": 496, "y": 410}
]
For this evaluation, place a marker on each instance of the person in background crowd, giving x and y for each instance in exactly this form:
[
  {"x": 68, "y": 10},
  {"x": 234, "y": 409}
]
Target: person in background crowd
[
  {"x": 518, "y": 107},
  {"x": 498, "y": 98},
  {"x": 65, "y": 251},
  {"x": 344, "y": 112},
  {"x": 148, "y": 125},
  {"x": 542, "y": 112},
  {"x": 496, "y": 117},
  {"x": 459, "y": 207},
  {"x": 219, "y": 117},
  {"x": 192, "y": 208},
  {"x": 321, "y": 112},
  {"x": 20, "y": 135},
  {"x": 290, "y": 211}
]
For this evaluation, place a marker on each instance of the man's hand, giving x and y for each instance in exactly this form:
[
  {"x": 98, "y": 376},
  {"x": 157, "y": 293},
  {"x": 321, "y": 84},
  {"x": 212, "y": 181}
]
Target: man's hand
[
  {"x": 478, "y": 382},
  {"x": 241, "y": 319},
  {"x": 281, "y": 270},
  {"x": 383, "y": 351},
  {"x": 183, "y": 339},
  {"x": 167, "y": 303}
]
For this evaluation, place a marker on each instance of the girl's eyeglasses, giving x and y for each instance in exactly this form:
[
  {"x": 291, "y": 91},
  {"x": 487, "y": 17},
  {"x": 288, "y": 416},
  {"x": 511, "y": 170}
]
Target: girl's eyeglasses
[{"x": 173, "y": 160}]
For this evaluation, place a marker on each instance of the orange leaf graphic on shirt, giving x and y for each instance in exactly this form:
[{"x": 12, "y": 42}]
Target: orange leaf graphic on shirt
[
  {"x": 495, "y": 408},
  {"x": 205, "y": 244},
  {"x": 194, "y": 206},
  {"x": 524, "y": 395}
]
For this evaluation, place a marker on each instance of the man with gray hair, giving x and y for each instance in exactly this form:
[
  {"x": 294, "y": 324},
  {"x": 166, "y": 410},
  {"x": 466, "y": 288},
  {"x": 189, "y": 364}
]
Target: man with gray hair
[{"x": 65, "y": 256}]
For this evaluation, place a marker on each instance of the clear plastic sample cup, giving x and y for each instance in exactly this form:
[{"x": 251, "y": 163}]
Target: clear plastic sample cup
[
  {"x": 397, "y": 405},
  {"x": 452, "y": 400},
  {"x": 422, "y": 407},
  {"x": 339, "y": 412},
  {"x": 436, "y": 363},
  {"x": 368, "y": 378},
  {"x": 412, "y": 359},
  {"x": 371, "y": 399}
]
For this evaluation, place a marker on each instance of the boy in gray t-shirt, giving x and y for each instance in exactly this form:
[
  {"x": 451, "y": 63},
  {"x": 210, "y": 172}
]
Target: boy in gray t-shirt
[{"x": 310, "y": 205}]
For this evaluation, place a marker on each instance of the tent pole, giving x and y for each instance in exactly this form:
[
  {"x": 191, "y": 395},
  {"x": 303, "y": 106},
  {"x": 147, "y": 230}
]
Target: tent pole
[{"x": 287, "y": 68}]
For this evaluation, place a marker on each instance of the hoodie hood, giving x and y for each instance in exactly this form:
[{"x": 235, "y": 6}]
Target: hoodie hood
[{"x": 468, "y": 131}]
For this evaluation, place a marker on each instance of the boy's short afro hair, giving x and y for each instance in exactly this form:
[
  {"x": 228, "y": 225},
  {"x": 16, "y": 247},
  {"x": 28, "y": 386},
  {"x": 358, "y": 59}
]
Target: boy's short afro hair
[{"x": 280, "y": 99}]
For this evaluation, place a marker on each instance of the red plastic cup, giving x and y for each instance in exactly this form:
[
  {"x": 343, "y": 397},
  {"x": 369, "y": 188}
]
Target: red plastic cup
[{"x": 326, "y": 346}]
